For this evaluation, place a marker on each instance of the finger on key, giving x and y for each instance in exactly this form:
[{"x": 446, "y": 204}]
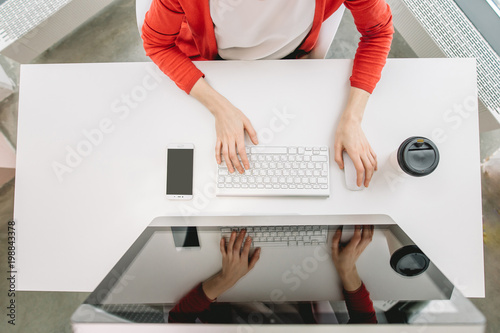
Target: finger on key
[
  {"x": 230, "y": 242},
  {"x": 234, "y": 158},
  {"x": 243, "y": 154},
  {"x": 225, "y": 153},
  {"x": 239, "y": 241},
  {"x": 246, "y": 246}
]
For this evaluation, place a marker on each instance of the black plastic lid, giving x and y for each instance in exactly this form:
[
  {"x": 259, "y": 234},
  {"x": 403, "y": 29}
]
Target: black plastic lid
[
  {"x": 418, "y": 156},
  {"x": 409, "y": 261}
]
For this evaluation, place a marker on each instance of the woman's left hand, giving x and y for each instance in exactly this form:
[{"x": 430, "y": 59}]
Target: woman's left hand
[{"x": 351, "y": 138}]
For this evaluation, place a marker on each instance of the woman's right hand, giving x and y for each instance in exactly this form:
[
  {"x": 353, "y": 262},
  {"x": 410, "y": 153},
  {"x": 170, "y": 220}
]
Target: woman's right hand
[{"x": 230, "y": 126}]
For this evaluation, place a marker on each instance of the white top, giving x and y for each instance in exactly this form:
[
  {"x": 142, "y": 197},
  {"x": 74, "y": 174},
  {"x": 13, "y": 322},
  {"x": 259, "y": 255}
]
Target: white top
[{"x": 259, "y": 29}]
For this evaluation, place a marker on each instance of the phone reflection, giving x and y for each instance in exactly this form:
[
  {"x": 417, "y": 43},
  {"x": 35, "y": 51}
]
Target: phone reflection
[{"x": 332, "y": 275}]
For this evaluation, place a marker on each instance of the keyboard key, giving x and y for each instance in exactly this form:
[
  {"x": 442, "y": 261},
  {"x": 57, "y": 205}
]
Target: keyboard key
[
  {"x": 270, "y": 244},
  {"x": 268, "y": 150},
  {"x": 321, "y": 158},
  {"x": 318, "y": 238},
  {"x": 223, "y": 172}
]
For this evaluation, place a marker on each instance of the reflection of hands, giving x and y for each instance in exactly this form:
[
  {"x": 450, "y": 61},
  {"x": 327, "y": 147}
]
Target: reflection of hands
[
  {"x": 344, "y": 258},
  {"x": 230, "y": 125},
  {"x": 236, "y": 263}
]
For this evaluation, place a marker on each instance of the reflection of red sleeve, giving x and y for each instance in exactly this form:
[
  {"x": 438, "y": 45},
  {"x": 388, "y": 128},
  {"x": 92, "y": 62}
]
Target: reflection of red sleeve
[
  {"x": 190, "y": 306},
  {"x": 360, "y": 306}
]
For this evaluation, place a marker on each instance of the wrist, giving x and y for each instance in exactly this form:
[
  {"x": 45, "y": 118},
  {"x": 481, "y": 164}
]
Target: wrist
[
  {"x": 356, "y": 105},
  {"x": 208, "y": 96},
  {"x": 351, "y": 116},
  {"x": 215, "y": 286},
  {"x": 350, "y": 279}
]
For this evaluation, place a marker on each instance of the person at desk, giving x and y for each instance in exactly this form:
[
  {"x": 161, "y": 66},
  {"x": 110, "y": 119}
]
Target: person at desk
[
  {"x": 175, "y": 32},
  {"x": 200, "y": 303}
]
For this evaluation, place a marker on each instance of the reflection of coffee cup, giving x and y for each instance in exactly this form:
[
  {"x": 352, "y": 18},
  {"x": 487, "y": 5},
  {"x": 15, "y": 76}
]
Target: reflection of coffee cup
[
  {"x": 416, "y": 156},
  {"x": 406, "y": 258}
]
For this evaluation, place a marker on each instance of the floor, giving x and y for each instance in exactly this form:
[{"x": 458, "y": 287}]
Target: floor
[{"x": 112, "y": 36}]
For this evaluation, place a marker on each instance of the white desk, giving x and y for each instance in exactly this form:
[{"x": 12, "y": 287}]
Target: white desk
[{"x": 71, "y": 232}]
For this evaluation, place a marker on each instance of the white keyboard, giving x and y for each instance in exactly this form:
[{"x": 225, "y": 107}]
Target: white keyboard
[
  {"x": 278, "y": 171},
  {"x": 280, "y": 236}
]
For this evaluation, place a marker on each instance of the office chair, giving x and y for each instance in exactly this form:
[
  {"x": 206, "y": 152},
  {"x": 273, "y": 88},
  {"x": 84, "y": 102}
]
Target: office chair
[{"x": 326, "y": 34}]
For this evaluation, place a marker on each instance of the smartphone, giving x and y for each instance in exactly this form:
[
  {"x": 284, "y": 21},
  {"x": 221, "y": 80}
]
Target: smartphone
[
  {"x": 180, "y": 171},
  {"x": 186, "y": 238}
]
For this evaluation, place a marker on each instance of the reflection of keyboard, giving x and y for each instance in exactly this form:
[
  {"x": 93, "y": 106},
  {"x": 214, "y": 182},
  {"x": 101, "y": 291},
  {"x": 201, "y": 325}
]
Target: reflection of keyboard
[
  {"x": 277, "y": 236},
  {"x": 278, "y": 171}
]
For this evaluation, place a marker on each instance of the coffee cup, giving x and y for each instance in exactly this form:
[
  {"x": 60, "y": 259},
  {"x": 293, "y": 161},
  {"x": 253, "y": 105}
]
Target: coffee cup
[{"x": 417, "y": 156}]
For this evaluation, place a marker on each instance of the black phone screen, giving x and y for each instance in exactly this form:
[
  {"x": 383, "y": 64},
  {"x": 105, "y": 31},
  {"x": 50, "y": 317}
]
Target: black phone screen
[
  {"x": 185, "y": 237},
  {"x": 180, "y": 171}
]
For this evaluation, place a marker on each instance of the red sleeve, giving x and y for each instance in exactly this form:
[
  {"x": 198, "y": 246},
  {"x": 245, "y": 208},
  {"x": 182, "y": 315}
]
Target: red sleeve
[
  {"x": 160, "y": 30},
  {"x": 190, "y": 306},
  {"x": 360, "y": 306},
  {"x": 373, "y": 20}
]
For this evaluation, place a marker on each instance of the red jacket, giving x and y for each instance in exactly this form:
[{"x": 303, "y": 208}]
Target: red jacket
[
  {"x": 175, "y": 32},
  {"x": 196, "y": 305}
]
